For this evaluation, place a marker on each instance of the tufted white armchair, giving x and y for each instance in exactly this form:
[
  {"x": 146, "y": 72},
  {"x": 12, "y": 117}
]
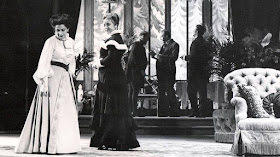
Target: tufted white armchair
[{"x": 254, "y": 135}]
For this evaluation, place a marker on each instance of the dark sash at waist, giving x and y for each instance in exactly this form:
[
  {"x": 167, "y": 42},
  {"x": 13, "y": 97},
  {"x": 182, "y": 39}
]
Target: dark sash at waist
[{"x": 62, "y": 65}]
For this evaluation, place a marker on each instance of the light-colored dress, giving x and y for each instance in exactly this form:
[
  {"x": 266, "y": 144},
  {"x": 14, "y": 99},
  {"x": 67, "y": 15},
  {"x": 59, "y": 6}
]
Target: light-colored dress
[{"x": 52, "y": 123}]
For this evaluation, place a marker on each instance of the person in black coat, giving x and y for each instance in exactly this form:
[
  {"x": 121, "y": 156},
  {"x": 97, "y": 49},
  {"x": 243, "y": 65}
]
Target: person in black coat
[
  {"x": 166, "y": 71},
  {"x": 198, "y": 75},
  {"x": 112, "y": 123},
  {"x": 135, "y": 71}
]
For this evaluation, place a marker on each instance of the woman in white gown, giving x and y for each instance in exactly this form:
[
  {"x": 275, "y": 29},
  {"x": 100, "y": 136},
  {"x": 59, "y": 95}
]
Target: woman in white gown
[{"x": 52, "y": 123}]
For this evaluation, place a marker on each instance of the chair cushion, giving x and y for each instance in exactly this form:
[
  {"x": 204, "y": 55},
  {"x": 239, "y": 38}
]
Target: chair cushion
[
  {"x": 260, "y": 124},
  {"x": 254, "y": 101},
  {"x": 271, "y": 103}
]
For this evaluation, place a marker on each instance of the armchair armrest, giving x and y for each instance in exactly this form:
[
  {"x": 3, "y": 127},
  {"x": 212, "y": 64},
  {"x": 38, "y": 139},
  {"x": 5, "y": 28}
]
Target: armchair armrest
[{"x": 240, "y": 108}]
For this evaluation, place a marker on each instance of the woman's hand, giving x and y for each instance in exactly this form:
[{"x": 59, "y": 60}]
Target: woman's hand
[
  {"x": 183, "y": 57},
  {"x": 186, "y": 57},
  {"x": 43, "y": 87},
  {"x": 96, "y": 64}
]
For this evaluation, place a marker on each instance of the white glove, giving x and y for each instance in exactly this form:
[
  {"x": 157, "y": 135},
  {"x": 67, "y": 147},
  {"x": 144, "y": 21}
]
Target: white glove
[
  {"x": 43, "y": 86},
  {"x": 96, "y": 64}
]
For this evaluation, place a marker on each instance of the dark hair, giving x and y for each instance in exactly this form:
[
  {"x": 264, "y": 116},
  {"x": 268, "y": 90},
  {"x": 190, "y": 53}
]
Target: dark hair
[
  {"x": 144, "y": 33},
  {"x": 113, "y": 17},
  {"x": 200, "y": 29},
  {"x": 167, "y": 32},
  {"x": 59, "y": 19}
]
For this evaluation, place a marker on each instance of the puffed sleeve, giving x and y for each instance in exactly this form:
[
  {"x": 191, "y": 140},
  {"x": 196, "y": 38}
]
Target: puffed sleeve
[{"x": 44, "y": 69}]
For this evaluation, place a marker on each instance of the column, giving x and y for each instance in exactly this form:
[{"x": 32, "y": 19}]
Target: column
[{"x": 89, "y": 10}]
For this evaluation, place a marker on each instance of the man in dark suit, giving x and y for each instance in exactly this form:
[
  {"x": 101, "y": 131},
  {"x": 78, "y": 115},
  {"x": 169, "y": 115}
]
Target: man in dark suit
[
  {"x": 135, "y": 70},
  {"x": 166, "y": 70},
  {"x": 198, "y": 75}
]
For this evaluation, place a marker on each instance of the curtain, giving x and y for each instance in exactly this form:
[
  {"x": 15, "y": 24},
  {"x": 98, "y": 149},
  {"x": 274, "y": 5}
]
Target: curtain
[
  {"x": 194, "y": 18},
  {"x": 71, "y": 7},
  {"x": 258, "y": 14},
  {"x": 220, "y": 20},
  {"x": 179, "y": 34},
  {"x": 79, "y": 36}
]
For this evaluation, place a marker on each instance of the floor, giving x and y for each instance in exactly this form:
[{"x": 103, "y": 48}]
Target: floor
[{"x": 151, "y": 146}]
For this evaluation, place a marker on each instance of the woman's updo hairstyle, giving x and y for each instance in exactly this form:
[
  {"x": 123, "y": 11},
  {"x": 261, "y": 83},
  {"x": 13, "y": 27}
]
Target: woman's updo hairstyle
[
  {"x": 113, "y": 17},
  {"x": 59, "y": 19}
]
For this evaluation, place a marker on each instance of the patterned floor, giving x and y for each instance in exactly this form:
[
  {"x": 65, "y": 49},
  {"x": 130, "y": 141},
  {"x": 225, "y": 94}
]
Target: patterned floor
[{"x": 151, "y": 146}]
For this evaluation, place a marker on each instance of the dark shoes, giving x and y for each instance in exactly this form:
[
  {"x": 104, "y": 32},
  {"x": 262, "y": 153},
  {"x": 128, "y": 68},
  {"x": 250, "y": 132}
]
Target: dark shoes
[
  {"x": 119, "y": 147},
  {"x": 103, "y": 147},
  {"x": 194, "y": 114}
]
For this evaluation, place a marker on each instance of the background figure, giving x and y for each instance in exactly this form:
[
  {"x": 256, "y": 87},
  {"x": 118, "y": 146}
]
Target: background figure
[
  {"x": 198, "y": 75},
  {"x": 166, "y": 70},
  {"x": 135, "y": 71},
  {"x": 112, "y": 122},
  {"x": 52, "y": 123}
]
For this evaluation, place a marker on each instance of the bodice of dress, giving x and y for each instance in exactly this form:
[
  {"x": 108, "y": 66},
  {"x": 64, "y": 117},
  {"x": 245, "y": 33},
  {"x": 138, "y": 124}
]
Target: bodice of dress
[
  {"x": 55, "y": 50},
  {"x": 103, "y": 52},
  {"x": 111, "y": 75},
  {"x": 116, "y": 46},
  {"x": 63, "y": 51}
]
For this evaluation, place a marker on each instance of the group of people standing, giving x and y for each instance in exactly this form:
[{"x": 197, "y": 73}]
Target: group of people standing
[{"x": 52, "y": 124}]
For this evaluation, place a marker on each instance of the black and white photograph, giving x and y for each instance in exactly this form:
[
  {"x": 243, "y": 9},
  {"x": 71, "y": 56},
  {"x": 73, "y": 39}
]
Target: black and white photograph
[{"x": 139, "y": 78}]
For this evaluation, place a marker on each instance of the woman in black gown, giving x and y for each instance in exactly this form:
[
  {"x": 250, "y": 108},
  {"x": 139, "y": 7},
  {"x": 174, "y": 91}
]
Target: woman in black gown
[{"x": 112, "y": 123}]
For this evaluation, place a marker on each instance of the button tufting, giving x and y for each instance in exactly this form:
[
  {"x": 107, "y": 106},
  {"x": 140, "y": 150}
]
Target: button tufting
[
  {"x": 266, "y": 89},
  {"x": 266, "y": 74}
]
